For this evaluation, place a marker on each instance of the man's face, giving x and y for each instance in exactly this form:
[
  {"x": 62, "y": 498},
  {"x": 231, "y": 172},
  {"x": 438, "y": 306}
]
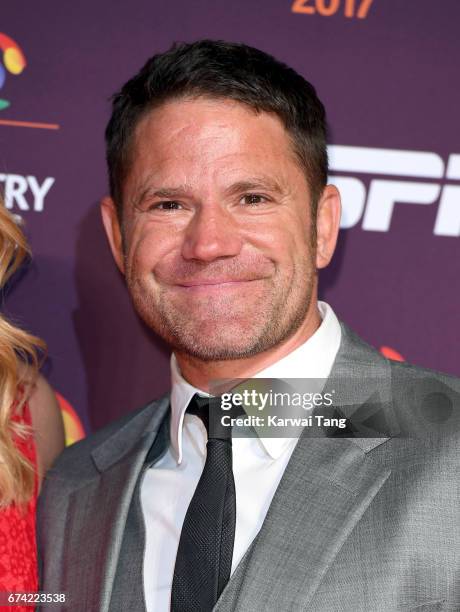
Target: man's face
[{"x": 217, "y": 229}]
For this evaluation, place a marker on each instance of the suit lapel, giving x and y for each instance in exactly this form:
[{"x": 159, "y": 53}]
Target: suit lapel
[
  {"x": 327, "y": 486},
  {"x": 98, "y": 511}
]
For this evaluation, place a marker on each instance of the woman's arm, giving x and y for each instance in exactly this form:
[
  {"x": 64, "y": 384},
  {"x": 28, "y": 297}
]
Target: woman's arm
[{"x": 47, "y": 424}]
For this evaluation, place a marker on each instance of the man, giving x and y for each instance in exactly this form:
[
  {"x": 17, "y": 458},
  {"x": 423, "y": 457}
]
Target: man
[{"x": 219, "y": 218}]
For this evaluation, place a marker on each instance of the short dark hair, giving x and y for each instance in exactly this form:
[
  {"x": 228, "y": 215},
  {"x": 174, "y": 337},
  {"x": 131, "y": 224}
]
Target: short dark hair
[{"x": 218, "y": 69}]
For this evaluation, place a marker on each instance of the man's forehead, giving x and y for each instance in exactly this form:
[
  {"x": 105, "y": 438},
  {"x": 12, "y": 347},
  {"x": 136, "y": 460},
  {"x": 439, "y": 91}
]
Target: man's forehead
[
  {"x": 189, "y": 116},
  {"x": 161, "y": 160}
]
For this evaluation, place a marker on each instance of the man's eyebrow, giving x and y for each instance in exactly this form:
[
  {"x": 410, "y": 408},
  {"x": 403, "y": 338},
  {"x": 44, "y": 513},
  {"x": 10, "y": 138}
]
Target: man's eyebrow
[
  {"x": 169, "y": 192},
  {"x": 257, "y": 182},
  {"x": 162, "y": 192}
]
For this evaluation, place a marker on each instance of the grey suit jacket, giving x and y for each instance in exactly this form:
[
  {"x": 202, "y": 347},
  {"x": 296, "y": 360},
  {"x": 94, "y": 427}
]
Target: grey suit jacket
[{"x": 359, "y": 524}]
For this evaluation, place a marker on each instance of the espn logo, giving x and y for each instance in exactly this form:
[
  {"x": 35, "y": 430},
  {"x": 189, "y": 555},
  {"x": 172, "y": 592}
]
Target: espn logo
[{"x": 376, "y": 210}]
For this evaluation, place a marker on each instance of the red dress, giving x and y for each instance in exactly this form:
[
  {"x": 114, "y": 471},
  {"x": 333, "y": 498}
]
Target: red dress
[{"x": 18, "y": 552}]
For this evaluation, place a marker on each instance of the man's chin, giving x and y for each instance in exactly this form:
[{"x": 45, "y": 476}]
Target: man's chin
[
  {"x": 214, "y": 353},
  {"x": 211, "y": 345}
]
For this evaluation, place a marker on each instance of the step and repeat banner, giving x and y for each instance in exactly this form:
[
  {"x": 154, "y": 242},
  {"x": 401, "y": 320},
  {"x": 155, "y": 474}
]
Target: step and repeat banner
[{"x": 387, "y": 71}]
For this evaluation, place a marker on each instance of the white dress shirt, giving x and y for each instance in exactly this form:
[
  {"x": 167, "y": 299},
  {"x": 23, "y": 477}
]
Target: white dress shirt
[{"x": 258, "y": 465}]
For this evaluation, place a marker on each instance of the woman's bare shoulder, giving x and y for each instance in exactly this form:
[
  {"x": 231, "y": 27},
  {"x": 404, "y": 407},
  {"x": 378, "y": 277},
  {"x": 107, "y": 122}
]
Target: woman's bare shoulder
[{"x": 47, "y": 424}]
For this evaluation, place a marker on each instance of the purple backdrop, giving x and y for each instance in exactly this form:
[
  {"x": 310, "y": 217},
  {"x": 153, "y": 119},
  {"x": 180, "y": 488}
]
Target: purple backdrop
[{"x": 389, "y": 81}]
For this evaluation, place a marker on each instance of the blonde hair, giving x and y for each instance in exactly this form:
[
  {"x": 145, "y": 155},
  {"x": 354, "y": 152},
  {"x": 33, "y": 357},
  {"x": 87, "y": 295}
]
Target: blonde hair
[{"x": 18, "y": 370}]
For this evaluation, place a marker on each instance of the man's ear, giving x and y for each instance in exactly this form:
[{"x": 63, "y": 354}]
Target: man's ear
[
  {"x": 327, "y": 225},
  {"x": 113, "y": 230}
]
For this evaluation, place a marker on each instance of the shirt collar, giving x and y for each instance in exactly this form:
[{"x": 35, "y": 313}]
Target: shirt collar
[{"x": 312, "y": 359}]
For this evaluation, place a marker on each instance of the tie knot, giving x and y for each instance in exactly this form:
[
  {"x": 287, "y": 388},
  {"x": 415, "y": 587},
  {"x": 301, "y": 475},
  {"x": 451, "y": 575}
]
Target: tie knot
[
  {"x": 199, "y": 406},
  {"x": 209, "y": 410}
]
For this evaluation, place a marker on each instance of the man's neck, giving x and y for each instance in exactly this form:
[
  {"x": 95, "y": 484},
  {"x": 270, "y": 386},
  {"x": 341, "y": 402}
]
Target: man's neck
[{"x": 200, "y": 373}]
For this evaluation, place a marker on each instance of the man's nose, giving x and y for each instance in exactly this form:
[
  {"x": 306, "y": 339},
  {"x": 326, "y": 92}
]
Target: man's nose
[{"x": 212, "y": 233}]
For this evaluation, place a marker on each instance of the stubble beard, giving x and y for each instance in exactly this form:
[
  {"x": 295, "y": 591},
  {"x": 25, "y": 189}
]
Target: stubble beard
[{"x": 244, "y": 331}]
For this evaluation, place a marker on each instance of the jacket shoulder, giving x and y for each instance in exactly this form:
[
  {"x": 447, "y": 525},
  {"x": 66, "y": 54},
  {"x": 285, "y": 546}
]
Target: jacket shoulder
[
  {"x": 404, "y": 369},
  {"x": 75, "y": 462},
  {"x": 355, "y": 348}
]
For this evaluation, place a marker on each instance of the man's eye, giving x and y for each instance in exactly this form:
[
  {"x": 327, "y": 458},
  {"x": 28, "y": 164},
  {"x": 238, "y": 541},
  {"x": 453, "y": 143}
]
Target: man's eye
[
  {"x": 253, "y": 199},
  {"x": 167, "y": 205}
]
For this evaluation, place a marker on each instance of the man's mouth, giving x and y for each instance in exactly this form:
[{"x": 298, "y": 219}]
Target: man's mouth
[
  {"x": 215, "y": 284},
  {"x": 214, "y": 281},
  {"x": 218, "y": 284}
]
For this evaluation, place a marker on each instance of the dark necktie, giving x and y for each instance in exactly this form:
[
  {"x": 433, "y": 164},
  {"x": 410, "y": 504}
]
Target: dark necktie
[{"x": 204, "y": 556}]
